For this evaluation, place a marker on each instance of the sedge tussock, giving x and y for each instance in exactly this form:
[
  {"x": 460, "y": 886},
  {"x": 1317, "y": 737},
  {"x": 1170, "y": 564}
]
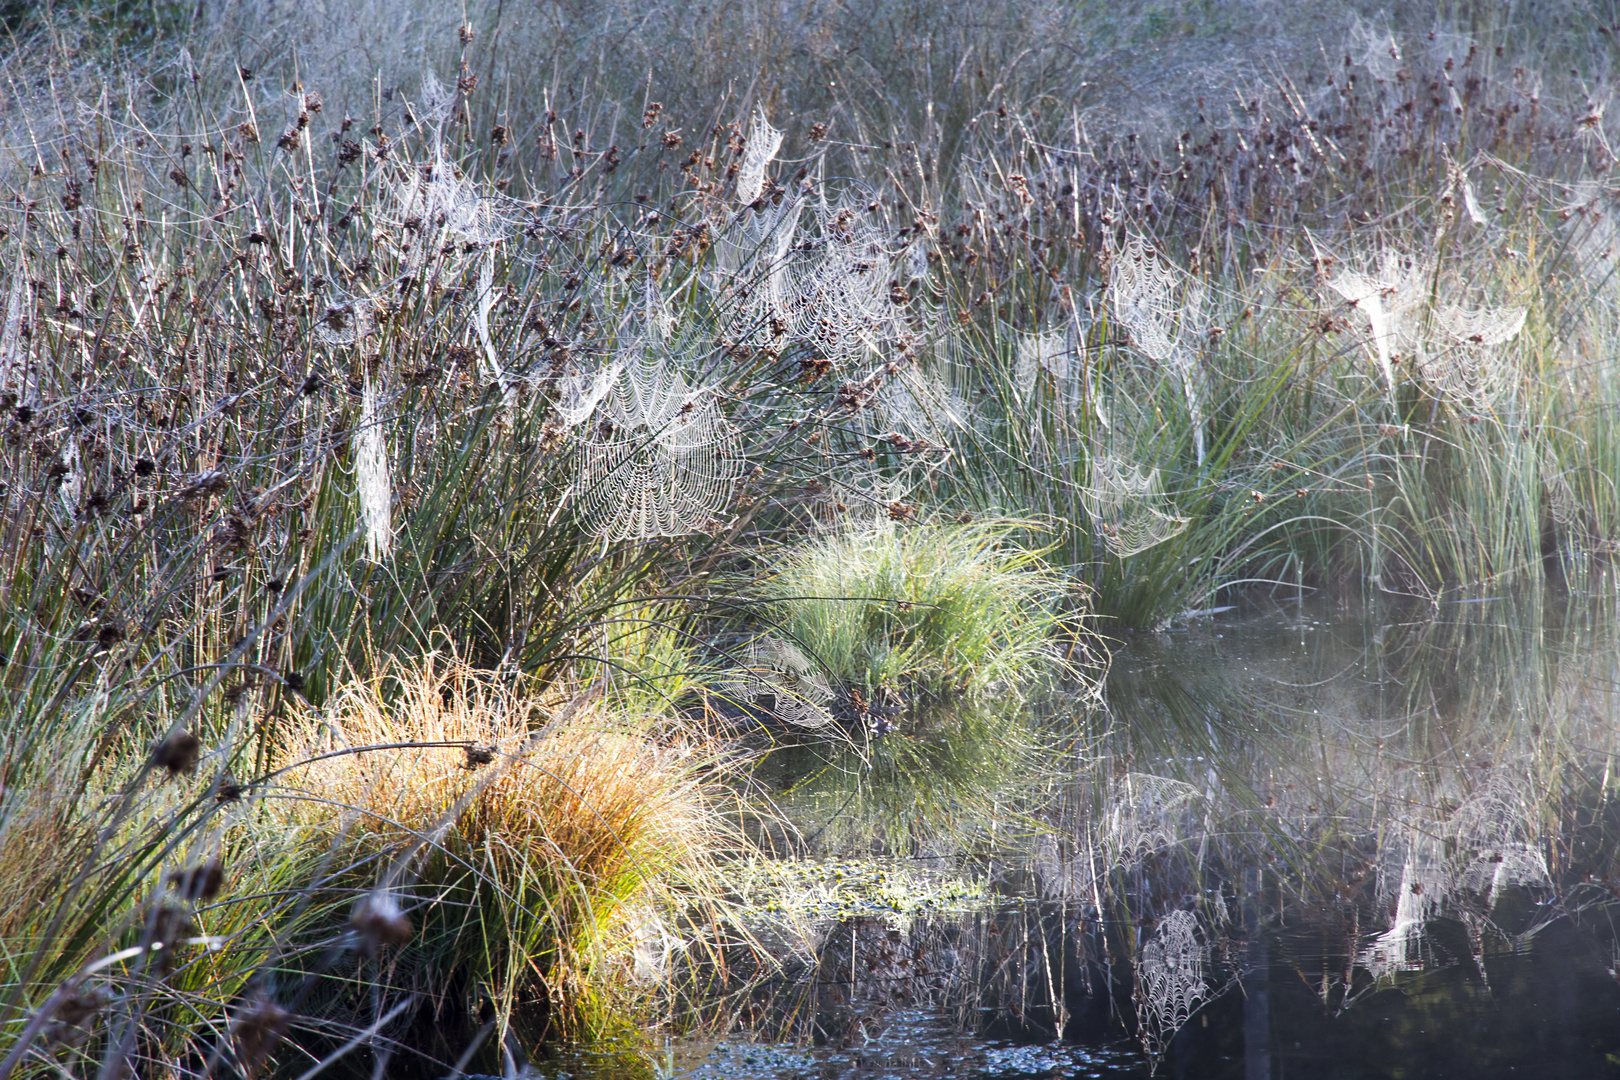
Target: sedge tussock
[{"x": 536, "y": 849}]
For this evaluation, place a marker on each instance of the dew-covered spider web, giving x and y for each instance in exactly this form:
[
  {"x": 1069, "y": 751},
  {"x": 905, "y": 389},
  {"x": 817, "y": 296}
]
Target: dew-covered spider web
[
  {"x": 926, "y": 390},
  {"x": 1480, "y": 326},
  {"x": 1461, "y": 862},
  {"x": 373, "y": 480},
  {"x": 1127, "y": 507},
  {"x": 759, "y": 149},
  {"x": 13, "y": 353},
  {"x": 1144, "y": 816},
  {"x": 1048, "y": 353},
  {"x": 1386, "y": 297},
  {"x": 1170, "y": 980},
  {"x": 782, "y": 681},
  {"x": 347, "y": 323},
  {"x": 1562, "y": 502},
  {"x": 1372, "y": 45},
  {"x": 581, "y": 390},
  {"x": 1496, "y": 841},
  {"x": 1469, "y": 358},
  {"x": 839, "y": 290},
  {"x": 754, "y": 272},
  {"x": 1162, "y": 309},
  {"x": 1417, "y": 890},
  {"x": 432, "y": 215},
  {"x": 1593, "y": 227},
  {"x": 658, "y": 457}
]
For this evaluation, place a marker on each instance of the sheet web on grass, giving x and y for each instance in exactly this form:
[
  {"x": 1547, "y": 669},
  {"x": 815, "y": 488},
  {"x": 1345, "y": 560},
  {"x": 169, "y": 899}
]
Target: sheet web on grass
[
  {"x": 1496, "y": 842},
  {"x": 1461, "y": 863}
]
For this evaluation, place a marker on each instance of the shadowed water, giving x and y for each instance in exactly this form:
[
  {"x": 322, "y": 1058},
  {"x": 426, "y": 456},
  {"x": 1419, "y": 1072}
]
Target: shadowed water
[{"x": 1304, "y": 840}]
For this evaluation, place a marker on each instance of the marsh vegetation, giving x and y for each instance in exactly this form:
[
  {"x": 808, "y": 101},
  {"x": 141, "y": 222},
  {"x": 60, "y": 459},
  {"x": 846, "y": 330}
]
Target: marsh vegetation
[{"x": 490, "y": 499}]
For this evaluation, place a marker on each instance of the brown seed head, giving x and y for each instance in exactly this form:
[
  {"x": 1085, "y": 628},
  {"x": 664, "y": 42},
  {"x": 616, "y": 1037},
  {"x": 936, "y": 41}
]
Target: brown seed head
[
  {"x": 200, "y": 882},
  {"x": 378, "y": 921},
  {"x": 177, "y": 754},
  {"x": 258, "y": 1028}
]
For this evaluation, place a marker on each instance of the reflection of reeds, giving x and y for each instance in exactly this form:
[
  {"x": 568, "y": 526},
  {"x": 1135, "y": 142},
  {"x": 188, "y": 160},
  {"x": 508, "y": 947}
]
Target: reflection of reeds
[{"x": 1362, "y": 795}]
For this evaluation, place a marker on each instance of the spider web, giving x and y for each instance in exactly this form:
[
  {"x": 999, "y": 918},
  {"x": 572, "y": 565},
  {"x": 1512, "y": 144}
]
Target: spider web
[
  {"x": 791, "y": 682},
  {"x": 1386, "y": 298},
  {"x": 1485, "y": 846},
  {"x": 660, "y": 460},
  {"x": 1043, "y": 353},
  {"x": 434, "y": 216},
  {"x": 373, "y": 482},
  {"x": 839, "y": 298},
  {"x": 72, "y": 484},
  {"x": 347, "y": 322},
  {"x": 760, "y": 147},
  {"x": 922, "y": 401},
  {"x": 1170, "y": 982},
  {"x": 13, "y": 355},
  {"x": 755, "y": 269},
  {"x": 1481, "y": 326},
  {"x": 1420, "y": 890},
  {"x": 1492, "y": 832},
  {"x": 490, "y": 367},
  {"x": 1124, "y": 507},
  {"x": 579, "y": 392},
  {"x": 1161, "y": 307},
  {"x": 1471, "y": 361},
  {"x": 1372, "y": 43},
  {"x": 1591, "y": 218},
  {"x": 1562, "y": 501},
  {"x": 1143, "y": 816}
]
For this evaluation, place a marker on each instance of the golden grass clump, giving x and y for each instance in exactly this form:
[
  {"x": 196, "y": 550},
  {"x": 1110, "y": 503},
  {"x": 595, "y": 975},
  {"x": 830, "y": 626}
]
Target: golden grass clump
[{"x": 543, "y": 855}]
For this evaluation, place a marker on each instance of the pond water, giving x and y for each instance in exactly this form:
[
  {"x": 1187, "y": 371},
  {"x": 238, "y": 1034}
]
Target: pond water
[{"x": 1305, "y": 840}]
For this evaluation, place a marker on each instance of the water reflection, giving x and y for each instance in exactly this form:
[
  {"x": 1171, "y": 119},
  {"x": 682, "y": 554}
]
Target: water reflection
[{"x": 1301, "y": 837}]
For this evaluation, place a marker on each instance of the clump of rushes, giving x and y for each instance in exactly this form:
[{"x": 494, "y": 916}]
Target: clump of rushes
[
  {"x": 547, "y": 862},
  {"x": 935, "y": 638},
  {"x": 914, "y": 618}
]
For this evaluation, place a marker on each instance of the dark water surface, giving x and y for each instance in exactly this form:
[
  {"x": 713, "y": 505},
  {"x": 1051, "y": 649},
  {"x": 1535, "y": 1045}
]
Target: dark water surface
[{"x": 1306, "y": 841}]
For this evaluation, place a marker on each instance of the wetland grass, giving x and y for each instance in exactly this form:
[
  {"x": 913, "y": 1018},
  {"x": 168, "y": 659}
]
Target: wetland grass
[{"x": 309, "y": 367}]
